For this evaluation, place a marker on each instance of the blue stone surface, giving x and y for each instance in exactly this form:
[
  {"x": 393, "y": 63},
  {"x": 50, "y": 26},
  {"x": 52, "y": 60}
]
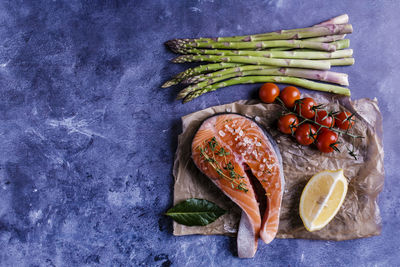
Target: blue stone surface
[{"x": 87, "y": 137}]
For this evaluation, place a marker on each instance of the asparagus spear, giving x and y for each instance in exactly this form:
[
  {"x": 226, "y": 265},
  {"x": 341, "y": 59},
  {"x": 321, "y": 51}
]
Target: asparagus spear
[
  {"x": 339, "y": 44},
  {"x": 263, "y": 79},
  {"x": 315, "y": 31},
  {"x": 274, "y": 54},
  {"x": 296, "y": 63},
  {"x": 198, "y": 70},
  {"x": 202, "y": 77},
  {"x": 326, "y": 76},
  {"x": 180, "y": 46}
]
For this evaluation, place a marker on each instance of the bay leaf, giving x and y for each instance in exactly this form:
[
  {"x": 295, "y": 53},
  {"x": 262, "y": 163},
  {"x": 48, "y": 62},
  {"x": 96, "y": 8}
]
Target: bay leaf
[{"x": 195, "y": 212}]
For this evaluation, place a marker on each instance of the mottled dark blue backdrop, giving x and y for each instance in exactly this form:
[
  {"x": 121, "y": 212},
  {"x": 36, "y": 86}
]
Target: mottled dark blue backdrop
[{"x": 87, "y": 136}]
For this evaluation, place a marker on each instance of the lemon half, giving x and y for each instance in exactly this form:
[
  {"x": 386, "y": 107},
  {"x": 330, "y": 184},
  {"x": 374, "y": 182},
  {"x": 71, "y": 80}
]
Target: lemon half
[{"x": 322, "y": 198}]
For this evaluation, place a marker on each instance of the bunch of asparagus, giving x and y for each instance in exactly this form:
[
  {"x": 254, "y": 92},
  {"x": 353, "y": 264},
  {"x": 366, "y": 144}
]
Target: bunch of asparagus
[{"x": 295, "y": 57}]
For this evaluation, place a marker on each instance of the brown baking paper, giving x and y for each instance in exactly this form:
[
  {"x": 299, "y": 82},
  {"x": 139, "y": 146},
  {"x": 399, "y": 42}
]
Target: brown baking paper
[{"x": 358, "y": 217}]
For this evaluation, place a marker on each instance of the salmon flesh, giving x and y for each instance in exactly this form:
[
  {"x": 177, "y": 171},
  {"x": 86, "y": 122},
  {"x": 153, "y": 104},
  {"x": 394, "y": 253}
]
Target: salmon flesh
[{"x": 243, "y": 161}]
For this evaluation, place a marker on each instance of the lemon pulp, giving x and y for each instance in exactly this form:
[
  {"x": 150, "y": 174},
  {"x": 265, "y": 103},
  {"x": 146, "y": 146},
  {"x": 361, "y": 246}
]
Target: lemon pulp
[{"x": 322, "y": 198}]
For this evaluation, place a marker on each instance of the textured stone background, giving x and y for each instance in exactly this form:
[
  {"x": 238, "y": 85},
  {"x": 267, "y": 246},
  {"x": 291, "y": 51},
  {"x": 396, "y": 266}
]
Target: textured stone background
[{"x": 87, "y": 136}]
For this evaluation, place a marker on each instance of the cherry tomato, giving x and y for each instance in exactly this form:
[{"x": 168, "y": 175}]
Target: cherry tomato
[
  {"x": 288, "y": 123},
  {"x": 322, "y": 117},
  {"x": 268, "y": 92},
  {"x": 323, "y": 130},
  {"x": 344, "y": 121},
  {"x": 289, "y": 95},
  {"x": 325, "y": 140},
  {"x": 305, "y": 107},
  {"x": 305, "y": 134}
]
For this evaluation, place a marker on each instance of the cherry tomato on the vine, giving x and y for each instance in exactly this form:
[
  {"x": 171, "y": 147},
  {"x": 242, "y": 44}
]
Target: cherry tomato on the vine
[
  {"x": 288, "y": 123},
  {"x": 324, "y": 118},
  {"x": 305, "y": 134},
  {"x": 289, "y": 95},
  {"x": 344, "y": 121},
  {"x": 305, "y": 106},
  {"x": 326, "y": 139},
  {"x": 268, "y": 92}
]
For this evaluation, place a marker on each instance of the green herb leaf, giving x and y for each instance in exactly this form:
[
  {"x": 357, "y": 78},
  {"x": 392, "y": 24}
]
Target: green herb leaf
[
  {"x": 213, "y": 143},
  {"x": 222, "y": 152},
  {"x": 195, "y": 212},
  {"x": 229, "y": 166}
]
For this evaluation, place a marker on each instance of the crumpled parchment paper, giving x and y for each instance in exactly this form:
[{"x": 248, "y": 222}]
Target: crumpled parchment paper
[{"x": 358, "y": 217}]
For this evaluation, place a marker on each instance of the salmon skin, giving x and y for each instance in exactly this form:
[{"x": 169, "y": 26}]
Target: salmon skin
[{"x": 234, "y": 151}]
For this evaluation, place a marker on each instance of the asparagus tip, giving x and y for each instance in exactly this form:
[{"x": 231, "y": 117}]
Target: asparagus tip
[
  {"x": 180, "y": 59},
  {"x": 171, "y": 45},
  {"x": 176, "y": 45},
  {"x": 186, "y": 99},
  {"x": 179, "y": 97},
  {"x": 168, "y": 84}
]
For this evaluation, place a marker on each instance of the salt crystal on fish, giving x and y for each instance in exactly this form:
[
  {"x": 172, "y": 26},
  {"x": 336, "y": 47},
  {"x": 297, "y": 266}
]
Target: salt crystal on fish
[
  {"x": 258, "y": 144},
  {"x": 241, "y": 133},
  {"x": 221, "y": 133},
  {"x": 228, "y": 128}
]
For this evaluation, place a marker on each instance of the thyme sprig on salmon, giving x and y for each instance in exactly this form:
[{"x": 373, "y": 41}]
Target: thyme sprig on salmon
[{"x": 216, "y": 149}]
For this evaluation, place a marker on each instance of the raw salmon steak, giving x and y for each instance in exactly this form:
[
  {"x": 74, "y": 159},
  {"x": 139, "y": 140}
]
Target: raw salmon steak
[{"x": 244, "y": 162}]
